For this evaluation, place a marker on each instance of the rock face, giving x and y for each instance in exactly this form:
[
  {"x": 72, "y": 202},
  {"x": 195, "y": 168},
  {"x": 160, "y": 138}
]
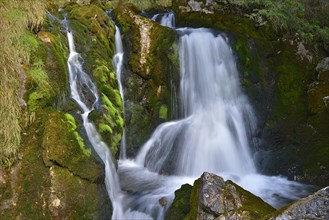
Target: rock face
[
  {"x": 315, "y": 206},
  {"x": 150, "y": 76},
  {"x": 213, "y": 198}
]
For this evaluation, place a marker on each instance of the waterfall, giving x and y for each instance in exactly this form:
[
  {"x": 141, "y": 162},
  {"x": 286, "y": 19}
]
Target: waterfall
[
  {"x": 118, "y": 62},
  {"x": 84, "y": 92},
  {"x": 213, "y": 134},
  {"x": 165, "y": 19}
]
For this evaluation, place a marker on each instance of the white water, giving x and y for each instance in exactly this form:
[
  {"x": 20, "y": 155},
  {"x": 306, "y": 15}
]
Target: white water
[
  {"x": 118, "y": 62},
  {"x": 212, "y": 136},
  {"x": 165, "y": 19}
]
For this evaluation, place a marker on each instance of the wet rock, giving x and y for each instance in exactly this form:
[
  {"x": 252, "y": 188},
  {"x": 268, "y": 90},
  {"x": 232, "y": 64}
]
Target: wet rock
[
  {"x": 213, "y": 198},
  {"x": 315, "y": 206},
  {"x": 163, "y": 201}
]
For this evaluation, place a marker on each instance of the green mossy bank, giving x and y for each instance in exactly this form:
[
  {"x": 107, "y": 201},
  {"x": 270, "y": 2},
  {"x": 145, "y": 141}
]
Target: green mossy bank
[{"x": 57, "y": 175}]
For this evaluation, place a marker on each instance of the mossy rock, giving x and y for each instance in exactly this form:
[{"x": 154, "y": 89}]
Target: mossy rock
[
  {"x": 93, "y": 32},
  {"x": 72, "y": 197},
  {"x": 65, "y": 147},
  {"x": 152, "y": 70},
  {"x": 211, "y": 197}
]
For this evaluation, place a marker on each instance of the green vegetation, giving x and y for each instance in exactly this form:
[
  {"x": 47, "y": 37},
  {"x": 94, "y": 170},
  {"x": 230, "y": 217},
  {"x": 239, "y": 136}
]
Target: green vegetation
[
  {"x": 141, "y": 4},
  {"x": 296, "y": 16},
  {"x": 94, "y": 38},
  {"x": 65, "y": 147},
  {"x": 17, "y": 44}
]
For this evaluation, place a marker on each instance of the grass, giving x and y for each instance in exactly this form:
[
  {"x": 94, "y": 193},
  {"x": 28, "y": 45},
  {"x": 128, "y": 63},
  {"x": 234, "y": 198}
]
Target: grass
[{"x": 18, "y": 19}]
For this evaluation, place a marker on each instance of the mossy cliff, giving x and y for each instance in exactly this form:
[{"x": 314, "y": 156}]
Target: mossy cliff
[
  {"x": 57, "y": 174},
  {"x": 93, "y": 32},
  {"x": 150, "y": 76},
  {"x": 277, "y": 71}
]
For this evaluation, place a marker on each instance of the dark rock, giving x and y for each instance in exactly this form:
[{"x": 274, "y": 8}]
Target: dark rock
[{"x": 315, "y": 206}]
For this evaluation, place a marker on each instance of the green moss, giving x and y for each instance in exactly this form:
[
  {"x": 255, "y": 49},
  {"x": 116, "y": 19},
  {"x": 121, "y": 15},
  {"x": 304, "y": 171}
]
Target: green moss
[
  {"x": 94, "y": 38},
  {"x": 66, "y": 147},
  {"x": 67, "y": 188},
  {"x": 194, "y": 201},
  {"x": 163, "y": 113},
  {"x": 153, "y": 79},
  {"x": 256, "y": 207},
  {"x": 181, "y": 205}
]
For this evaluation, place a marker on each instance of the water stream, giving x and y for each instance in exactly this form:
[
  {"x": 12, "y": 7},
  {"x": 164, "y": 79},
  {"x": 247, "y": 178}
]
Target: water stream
[
  {"x": 118, "y": 62},
  {"x": 166, "y": 19}
]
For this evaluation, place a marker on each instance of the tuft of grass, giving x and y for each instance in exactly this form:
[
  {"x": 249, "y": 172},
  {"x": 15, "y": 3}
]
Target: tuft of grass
[{"x": 18, "y": 18}]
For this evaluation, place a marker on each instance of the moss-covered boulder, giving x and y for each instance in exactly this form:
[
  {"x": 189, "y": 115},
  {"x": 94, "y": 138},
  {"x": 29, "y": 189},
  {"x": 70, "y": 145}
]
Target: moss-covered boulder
[
  {"x": 213, "y": 198},
  {"x": 151, "y": 73},
  {"x": 64, "y": 146}
]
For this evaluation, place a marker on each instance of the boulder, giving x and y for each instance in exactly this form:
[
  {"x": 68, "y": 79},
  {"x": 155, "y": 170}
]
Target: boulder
[
  {"x": 213, "y": 198},
  {"x": 315, "y": 206}
]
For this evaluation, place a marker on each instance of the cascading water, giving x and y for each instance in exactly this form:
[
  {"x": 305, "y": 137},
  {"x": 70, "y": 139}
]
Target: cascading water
[
  {"x": 118, "y": 62},
  {"x": 84, "y": 92},
  {"x": 217, "y": 122},
  {"x": 165, "y": 19},
  {"x": 212, "y": 137}
]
